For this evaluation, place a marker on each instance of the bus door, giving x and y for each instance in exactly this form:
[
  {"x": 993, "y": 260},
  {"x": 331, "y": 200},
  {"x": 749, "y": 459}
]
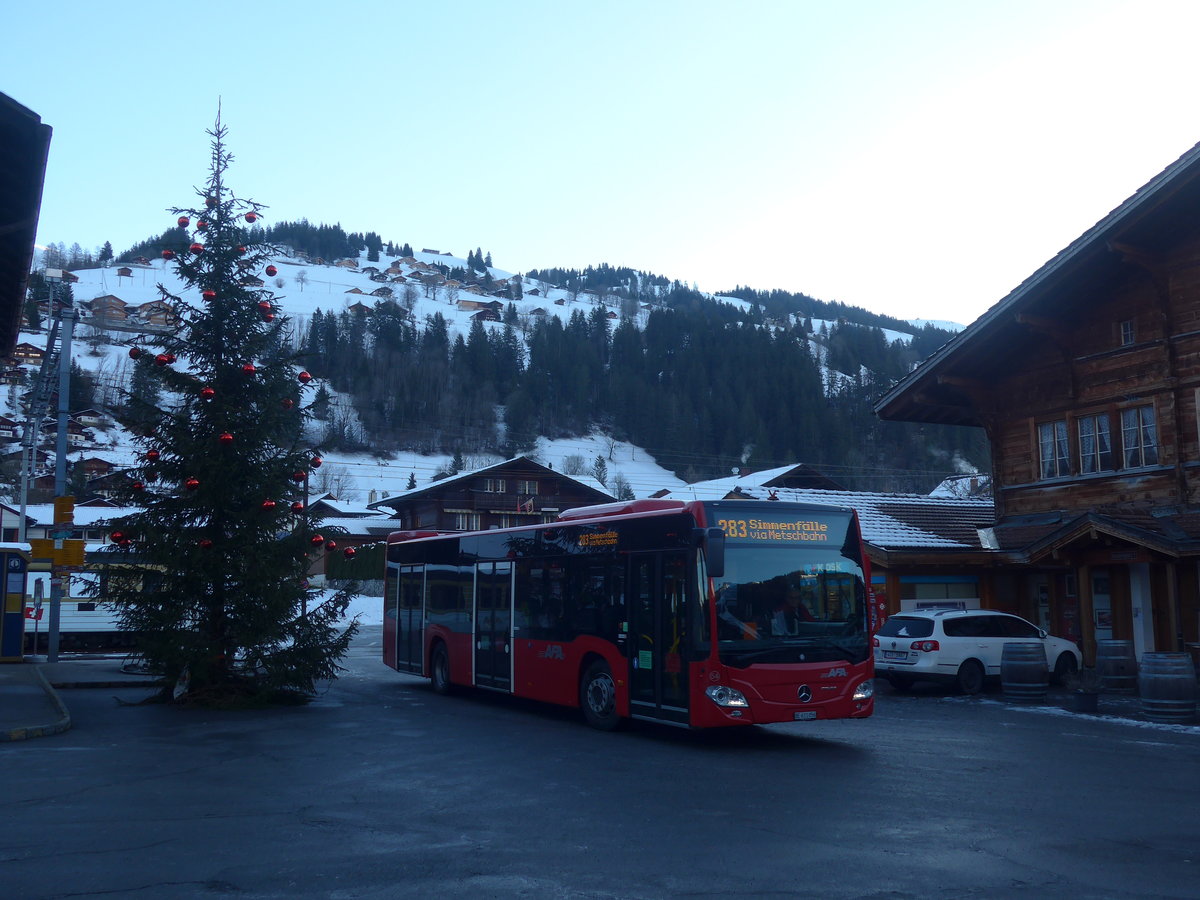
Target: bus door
[
  {"x": 493, "y": 624},
  {"x": 657, "y": 666},
  {"x": 410, "y": 619}
]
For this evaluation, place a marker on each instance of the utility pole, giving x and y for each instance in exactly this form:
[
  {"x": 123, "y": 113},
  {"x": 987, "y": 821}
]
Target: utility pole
[{"x": 60, "y": 529}]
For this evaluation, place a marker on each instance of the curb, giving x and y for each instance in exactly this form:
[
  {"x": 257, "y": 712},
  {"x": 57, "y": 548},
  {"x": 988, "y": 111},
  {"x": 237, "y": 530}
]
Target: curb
[
  {"x": 63, "y": 723},
  {"x": 73, "y": 685}
]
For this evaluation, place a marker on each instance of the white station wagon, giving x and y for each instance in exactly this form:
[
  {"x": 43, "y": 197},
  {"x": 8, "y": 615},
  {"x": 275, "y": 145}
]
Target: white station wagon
[{"x": 962, "y": 647}]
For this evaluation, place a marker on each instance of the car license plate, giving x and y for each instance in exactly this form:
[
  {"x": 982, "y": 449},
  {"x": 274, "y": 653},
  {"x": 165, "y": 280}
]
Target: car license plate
[
  {"x": 807, "y": 714},
  {"x": 895, "y": 654}
]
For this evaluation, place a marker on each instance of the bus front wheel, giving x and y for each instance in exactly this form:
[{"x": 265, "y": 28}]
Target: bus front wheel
[
  {"x": 439, "y": 669},
  {"x": 598, "y": 697}
]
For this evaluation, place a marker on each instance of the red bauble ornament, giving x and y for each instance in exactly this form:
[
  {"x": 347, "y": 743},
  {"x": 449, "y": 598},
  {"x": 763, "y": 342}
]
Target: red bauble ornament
[
  {"x": 197, "y": 248},
  {"x": 124, "y": 544},
  {"x": 209, "y": 295},
  {"x": 316, "y": 462},
  {"x": 184, "y": 221},
  {"x": 138, "y": 486},
  {"x": 271, "y": 271},
  {"x": 191, "y": 484},
  {"x": 297, "y": 507},
  {"x": 162, "y": 359},
  {"x": 298, "y": 476},
  {"x": 205, "y": 544},
  {"x": 152, "y": 455},
  {"x": 269, "y": 317},
  {"x": 317, "y": 539},
  {"x": 170, "y": 358},
  {"x": 304, "y": 377},
  {"x": 135, "y": 352},
  {"x": 117, "y": 536},
  {"x": 168, "y": 254},
  {"x": 210, "y": 202},
  {"x": 264, "y": 305},
  {"x": 287, "y": 402},
  {"x": 349, "y": 553},
  {"x": 248, "y": 369},
  {"x": 207, "y": 393},
  {"x": 202, "y": 225},
  {"x": 268, "y": 504},
  {"x": 241, "y": 250},
  {"x": 331, "y": 545},
  {"x": 251, "y": 216},
  {"x": 225, "y": 438}
]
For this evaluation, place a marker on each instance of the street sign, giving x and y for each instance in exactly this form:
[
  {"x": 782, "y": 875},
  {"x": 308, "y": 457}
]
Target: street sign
[{"x": 64, "y": 510}]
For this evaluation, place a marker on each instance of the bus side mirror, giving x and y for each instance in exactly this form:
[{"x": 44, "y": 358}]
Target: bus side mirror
[{"x": 714, "y": 551}]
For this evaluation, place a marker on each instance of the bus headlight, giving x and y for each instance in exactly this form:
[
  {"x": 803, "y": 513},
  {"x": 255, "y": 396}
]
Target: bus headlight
[
  {"x": 725, "y": 696},
  {"x": 865, "y": 691}
]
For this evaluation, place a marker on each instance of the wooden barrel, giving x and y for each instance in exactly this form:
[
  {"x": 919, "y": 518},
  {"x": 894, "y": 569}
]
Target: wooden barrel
[
  {"x": 1024, "y": 675},
  {"x": 1167, "y": 683},
  {"x": 1117, "y": 666}
]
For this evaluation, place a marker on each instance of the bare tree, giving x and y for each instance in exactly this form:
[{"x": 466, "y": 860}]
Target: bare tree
[
  {"x": 279, "y": 282},
  {"x": 302, "y": 279},
  {"x": 408, "y": 297},
  {"x": 574, "y": 464},
  {"x": 336, "y": 480}
]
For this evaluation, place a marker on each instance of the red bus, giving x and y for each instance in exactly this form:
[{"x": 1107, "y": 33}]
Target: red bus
[{"x": 699, "y": 614}]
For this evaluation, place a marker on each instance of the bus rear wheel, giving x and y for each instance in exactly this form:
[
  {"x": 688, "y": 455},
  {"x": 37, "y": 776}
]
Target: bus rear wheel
[
  {"x": 598, "y": 697},
  {"x": 439, "y": 669}
]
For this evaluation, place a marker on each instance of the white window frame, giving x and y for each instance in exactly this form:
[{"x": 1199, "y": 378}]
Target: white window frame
[
  {"x": 1095, "y": 444},
  {"x": 1054, "y": 454},
  {"x": 1139, "y": 437}
]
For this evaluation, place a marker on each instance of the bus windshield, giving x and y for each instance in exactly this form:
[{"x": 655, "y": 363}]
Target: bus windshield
[{"x": 787, "y": 604}]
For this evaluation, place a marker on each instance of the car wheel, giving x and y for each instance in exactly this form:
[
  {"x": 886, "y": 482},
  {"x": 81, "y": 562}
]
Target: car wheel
[
  {"x": 598, "y": 697},
  {"x": 1064, "y": 667},
  {"x": 900, "y": 682},
  {"x": 970, "y": 677},
  {"x": 439, "y": 668}
]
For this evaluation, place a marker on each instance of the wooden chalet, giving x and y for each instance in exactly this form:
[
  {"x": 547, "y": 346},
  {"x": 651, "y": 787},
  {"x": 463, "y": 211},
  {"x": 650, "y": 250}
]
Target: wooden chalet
[
  {"x": 27, "y": 353},
  {"x": 157, "y": 312},
  {"x": 517, "y": 491},
  {"x": 124, "y": 272},
  {"x": 109, "y": 307},
  {"x": 1086, "y": 380}
]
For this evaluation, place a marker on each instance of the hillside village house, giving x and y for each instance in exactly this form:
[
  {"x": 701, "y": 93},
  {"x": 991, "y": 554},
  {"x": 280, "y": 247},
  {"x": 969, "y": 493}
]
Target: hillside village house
[
  {"x": 1086, "y": 379},
  {"x": 517, "y": 491}
]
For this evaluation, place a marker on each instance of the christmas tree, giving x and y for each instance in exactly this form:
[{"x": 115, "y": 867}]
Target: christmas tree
[{"x": 211, "y": 574}]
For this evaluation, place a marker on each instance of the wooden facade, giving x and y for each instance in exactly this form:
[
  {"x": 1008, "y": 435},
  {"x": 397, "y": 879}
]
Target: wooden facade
[
  {"x": 1086, "y": 379},
  {"x": 517, "y": 491}
]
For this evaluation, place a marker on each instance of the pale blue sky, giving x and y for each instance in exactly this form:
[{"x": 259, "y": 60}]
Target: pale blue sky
[{"x": 918, "y": 159}]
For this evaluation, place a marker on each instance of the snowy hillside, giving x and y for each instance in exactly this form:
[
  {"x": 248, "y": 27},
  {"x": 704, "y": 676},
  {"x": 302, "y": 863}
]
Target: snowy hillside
[
  {"x": 100, "y": 347},
  {"x": 300, "y": 289}
]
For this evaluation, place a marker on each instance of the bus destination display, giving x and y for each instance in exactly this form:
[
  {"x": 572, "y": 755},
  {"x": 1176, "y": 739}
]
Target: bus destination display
[{"x": 771, "y": 530}]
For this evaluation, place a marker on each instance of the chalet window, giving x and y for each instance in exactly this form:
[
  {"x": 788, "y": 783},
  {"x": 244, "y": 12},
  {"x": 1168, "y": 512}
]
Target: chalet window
[
  {"x": 1095, "y": 445},
  {"x": 1052, "y": 442},
  {"x": 1139, "y": 437},
  {"x": 466, "y": 521},
  {"x": 1127, "y": 333},
  {"x": 493, "y": 485},
  {"x": 526, "y": 487}
]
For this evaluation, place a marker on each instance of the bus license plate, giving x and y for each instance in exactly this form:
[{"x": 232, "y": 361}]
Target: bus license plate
[{"x": 807, "y": 714}]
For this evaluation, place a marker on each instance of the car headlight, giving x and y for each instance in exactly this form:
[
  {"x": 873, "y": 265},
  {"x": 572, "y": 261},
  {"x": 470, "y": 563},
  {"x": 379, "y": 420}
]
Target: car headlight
[
  {"x": 725, "y": 696},
  {"x": 864, "y": 691}
]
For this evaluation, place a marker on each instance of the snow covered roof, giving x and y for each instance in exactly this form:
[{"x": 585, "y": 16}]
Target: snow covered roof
[
  {"x": 584, "y": 480},
  {"x": 888, "y": 521}
]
